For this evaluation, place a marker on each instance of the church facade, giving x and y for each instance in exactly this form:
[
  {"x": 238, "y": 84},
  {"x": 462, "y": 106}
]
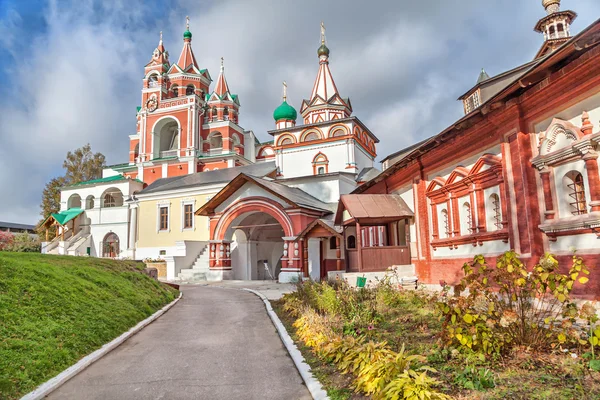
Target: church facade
[{"x": 518, "y": 171}]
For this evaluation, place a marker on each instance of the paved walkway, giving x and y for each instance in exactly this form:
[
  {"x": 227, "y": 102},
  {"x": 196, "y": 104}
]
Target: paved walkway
[{"x": 214, "y": 344}]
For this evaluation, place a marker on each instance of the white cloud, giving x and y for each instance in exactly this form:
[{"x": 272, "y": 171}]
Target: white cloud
[{"x": 402, "y": 63}]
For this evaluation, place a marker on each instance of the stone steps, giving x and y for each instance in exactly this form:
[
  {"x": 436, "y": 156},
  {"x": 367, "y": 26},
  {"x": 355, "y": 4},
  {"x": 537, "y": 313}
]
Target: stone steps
[{"x": 199, "y": 268}]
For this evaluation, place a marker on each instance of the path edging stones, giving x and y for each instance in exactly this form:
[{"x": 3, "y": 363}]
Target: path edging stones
[
  {"x": 314, "y": 386},
  {"x": 54, "y": 383}
]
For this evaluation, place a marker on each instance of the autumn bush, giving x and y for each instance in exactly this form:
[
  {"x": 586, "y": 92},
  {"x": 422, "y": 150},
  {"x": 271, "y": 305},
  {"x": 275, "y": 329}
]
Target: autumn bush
[
  {"x": 497, "y": 307},
  {"x": 335, "y": 320}
]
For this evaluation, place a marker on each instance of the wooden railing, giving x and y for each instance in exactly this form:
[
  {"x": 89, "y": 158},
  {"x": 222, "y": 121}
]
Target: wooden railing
[{"x": 378, "y": 258}]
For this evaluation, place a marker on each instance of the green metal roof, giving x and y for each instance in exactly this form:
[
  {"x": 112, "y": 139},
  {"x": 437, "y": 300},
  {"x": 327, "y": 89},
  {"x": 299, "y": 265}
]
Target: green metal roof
[
  {"x": 114, "y": 178},
  {"x": 65, "y": 216}
]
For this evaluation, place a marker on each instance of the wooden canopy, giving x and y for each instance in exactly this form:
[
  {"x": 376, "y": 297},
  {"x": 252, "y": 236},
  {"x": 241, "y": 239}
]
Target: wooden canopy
[{"x": 371, "y": 209}]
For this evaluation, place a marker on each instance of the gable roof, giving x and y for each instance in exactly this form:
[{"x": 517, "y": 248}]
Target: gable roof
[
  {"x": 327, "y": 225},
  {"x": 296, "y": 197},
  {"x": 63, "y": 217},
  {"x": 376, "y": 208},
  {"x": 209, "y": 177}
]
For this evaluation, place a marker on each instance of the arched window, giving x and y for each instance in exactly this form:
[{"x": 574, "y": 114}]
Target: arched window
[
  {"x": 136, "y": 151},
  {"x": 466, "y": 220},
  {"x": 216, "y": 141},
  {"x": 351, "y": 242},
  {"x": 494, "y": 213},
  {"x": 551, "y": 32},
  {"x": 175, "y": 91},
  {"x": 444, "y": 225},
  {"x": 214, "y": 113},
  {"x": 112, "y": 198},
  {"x": 320, "y": 164},
  {"x": 109, "y": 200},
  {"x": 152, "y": 81},
  {"x": 74, "y": 201},
  {"x": 332, "y": 243},
  {"x": 235, "y": 139},
  {"x": 189, "y": 90},
  {"x": 89, "y": 202},
  {"x": 226, "y": 114},
  {"x": 576, "y": 193}
]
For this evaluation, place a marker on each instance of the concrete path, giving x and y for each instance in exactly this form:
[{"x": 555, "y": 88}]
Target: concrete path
[{"x": 214, "y": 344}]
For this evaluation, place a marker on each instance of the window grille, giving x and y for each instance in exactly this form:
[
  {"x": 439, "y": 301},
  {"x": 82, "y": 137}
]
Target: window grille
[
  {"x": 578, "y": 205},
  {"x": 497, "y": 211}
]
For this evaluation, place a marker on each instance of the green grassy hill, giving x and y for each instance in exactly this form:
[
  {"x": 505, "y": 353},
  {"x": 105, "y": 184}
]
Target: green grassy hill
[{"x": 56, "y": 309}]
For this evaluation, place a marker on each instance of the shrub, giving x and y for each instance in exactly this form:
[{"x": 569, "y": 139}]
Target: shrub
[
  {"x": 475, "y": 379},
  {"x": 23, "y": 243},
  {"x": 6, "y": 239},
  {"x": 412, "y": 385},
  {"x": 507, "y": 305}
]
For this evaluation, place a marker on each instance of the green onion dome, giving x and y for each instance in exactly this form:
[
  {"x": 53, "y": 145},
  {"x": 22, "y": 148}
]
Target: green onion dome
[
  {"x": 323, "y": 51},
  {"x": 187, "y": 34},
  {"x": 285, "y": 111}
]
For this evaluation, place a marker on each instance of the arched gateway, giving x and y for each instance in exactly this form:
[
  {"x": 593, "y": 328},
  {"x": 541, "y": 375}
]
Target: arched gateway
[{"x": 253, "y": 222}]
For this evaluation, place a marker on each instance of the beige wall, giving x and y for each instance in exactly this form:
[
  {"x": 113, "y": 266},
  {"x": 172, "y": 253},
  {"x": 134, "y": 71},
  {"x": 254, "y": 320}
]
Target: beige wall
[{"x": 148, "y": 236}]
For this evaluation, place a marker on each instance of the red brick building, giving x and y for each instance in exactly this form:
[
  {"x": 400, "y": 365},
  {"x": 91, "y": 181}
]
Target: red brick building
[{"x": 518, "y": 171}]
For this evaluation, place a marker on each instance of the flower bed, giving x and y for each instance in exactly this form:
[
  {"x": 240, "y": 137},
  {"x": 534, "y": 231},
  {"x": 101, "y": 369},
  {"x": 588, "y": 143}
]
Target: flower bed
[{"x": 385, "y": 342}]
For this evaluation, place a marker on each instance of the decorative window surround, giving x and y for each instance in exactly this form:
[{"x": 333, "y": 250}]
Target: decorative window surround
[
  {"x": 577, "y": 144},
  {"x": 185, "y": 202},
  {"x": 461, "y": 183},
  {"x": 159, "y": 205}
]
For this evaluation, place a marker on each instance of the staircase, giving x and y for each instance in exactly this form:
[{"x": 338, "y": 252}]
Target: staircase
[
  {"x": 77, "y": 241},
  {"x": 198, "y": 270}
]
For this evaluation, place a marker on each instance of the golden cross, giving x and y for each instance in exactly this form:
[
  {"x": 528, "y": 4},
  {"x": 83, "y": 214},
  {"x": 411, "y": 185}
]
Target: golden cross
[{"x": 284, "y": 91}]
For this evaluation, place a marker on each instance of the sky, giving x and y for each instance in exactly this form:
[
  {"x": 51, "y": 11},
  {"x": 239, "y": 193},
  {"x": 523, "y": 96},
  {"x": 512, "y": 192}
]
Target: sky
[{"x": 72, "y": 69}]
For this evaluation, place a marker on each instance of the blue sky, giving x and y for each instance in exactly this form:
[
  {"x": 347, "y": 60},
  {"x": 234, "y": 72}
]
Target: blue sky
[{"x": 73, "y": 69}]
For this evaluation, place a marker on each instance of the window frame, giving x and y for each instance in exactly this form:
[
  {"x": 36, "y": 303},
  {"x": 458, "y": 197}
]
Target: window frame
[
  {"x": 159, "y": 206},
  {"x": 187, "y": 203}
]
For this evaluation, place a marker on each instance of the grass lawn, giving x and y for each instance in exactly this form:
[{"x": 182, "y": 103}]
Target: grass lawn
[
  {"x": 411, "y": 319},
  {"x": 56, "y": 309}
]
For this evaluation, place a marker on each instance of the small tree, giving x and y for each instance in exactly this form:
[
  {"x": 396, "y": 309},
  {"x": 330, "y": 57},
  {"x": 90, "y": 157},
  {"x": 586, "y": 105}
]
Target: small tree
[{"x": 82, "y": 165}]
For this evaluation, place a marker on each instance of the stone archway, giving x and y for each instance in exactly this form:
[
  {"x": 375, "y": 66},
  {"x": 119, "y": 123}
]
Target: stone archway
[
  {"x": 248, "y": 233},
  {"x": 110, "y": 245}
]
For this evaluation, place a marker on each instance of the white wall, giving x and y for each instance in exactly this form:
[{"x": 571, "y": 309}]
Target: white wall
[
  {"x": 297, "y": 161},
  {"x": 249, "y": 189}
]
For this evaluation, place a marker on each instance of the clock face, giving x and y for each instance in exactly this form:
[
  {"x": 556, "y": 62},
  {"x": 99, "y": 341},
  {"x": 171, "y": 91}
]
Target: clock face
[{"x": 152, "y": 104}]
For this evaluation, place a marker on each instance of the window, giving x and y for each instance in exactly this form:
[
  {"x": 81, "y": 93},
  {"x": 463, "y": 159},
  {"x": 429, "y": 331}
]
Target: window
[
  {"x": 152, "y": 81},
  {"x": 163, "y": 218},
  {"x": 175, "y": 92},
  {"x": 89, "y": 202},
  {"x": 332, "y": 243},
  {"x": 472, "y": 102},
  {"x": 216, "y": 141},
  {"x": 496, "y": 222},
  {"x": 467, "y": 219},
  {"x": 577, "y": 194},
  {"x": 188, "y": 216},
  {"x": 189, "y": 90},
  {"x": 444, "y": 226},
  {"x": 338, "y": 132},
  {"x": 321, "y": 171},
  {"x": 109, "y": 200},
  {"x": 214, "y": 113},
  {"x": 136, "y": 151},
  {"x": 351, "y": 242},
  {"x": 226, "y": 114}
]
